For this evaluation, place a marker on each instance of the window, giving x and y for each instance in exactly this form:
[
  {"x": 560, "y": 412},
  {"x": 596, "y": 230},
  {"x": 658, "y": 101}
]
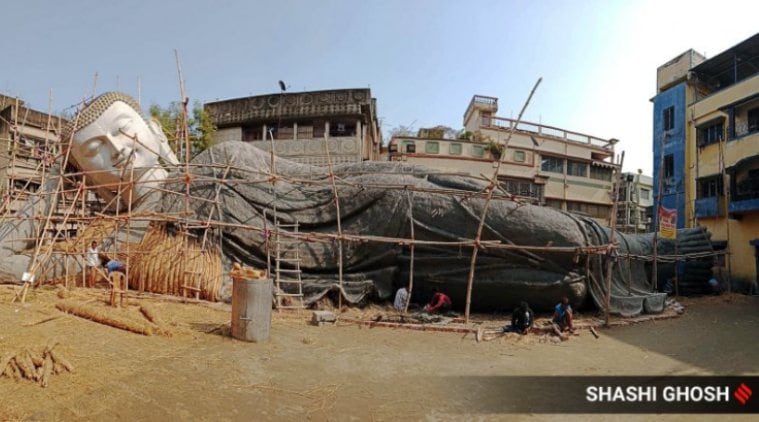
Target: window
[
  {"x": 478, "y": 150},
  {"x": 409, "y": 147},
  {"x": 520, "y": 156},
  {"x": 485, "y": 115},
  {"x": 319, "y": 127},
  {"x": 553, "y": 203},
  {"x": 552, "y": 164},
  {"x": 523, "y": 188},
  {"x": 668, "y": 118},
  {"x": 432, "y": 147},
  {"x": 669, "y": 166},
  {"x": 342, "y": 129},
  {"x": 576, "y": 168},
  {"x": 454, "y": 149},
  {"x": 711, "y": 134},
  {"x": 622, "y": 194},
  {"x": 669, "y": 183},
  {"x": 600, "y": 173},
  {"x": 252, "y": 133},
  {"x": 593, "y": 210},
  {"x": 753, "y": 120},
  {"x": 747, "y": 185},
  {"x": 645, "y": 194},
  {"x": 710, "y": 187}
]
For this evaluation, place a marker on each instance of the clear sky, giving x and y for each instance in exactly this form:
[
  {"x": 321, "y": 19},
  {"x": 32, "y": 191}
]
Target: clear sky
[{"x": 422, "y": 59}]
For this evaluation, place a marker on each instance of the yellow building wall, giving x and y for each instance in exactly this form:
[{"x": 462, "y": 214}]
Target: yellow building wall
[
  {"x": 742, "y": 258},
  {"x": 726, "y": 96},
  {"x": 743, "y": 147},
  {"x": 691, "y": 150},
  {"x": 711, "y": 160}
]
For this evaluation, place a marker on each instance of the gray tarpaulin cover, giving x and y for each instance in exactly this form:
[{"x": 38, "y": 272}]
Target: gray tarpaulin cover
[{"x": 442, "y": 209}]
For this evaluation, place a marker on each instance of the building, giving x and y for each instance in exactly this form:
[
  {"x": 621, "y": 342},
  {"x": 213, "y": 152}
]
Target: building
[
  {"x": 635, "y": 202},
  {"x": 28, "y": 144},
  {"x": 301, "y": 125},
  {"x": 543, "y": 164},
  {"x": 706, "y": 149}
]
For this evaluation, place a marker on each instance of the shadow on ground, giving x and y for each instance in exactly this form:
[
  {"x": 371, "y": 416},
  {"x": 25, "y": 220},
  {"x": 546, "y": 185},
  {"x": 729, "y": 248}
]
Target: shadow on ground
[{"x": 717, "y": 334}]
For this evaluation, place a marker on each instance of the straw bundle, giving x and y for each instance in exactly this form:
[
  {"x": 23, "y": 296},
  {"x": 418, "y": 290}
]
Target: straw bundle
[
  {"x": 103, "y": 317},
  {"x": 31, "y": 366},
  {"x": 170, "y": 263}
]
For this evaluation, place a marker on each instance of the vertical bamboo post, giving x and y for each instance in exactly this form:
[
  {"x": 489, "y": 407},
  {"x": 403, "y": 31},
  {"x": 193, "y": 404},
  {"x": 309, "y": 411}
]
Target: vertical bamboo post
[
  {"x": 489, "y": 190},
  {"x": 339, "y": 224},
  {"x": 655, "y": 269},
  {"x": 611, "y": 248},
  {"x": 413, "y": 242},
  {"x": 81, "y": 231},
  {"x": 677, "y": 259},
  {"x": 125, "y": 287},
  {"x": 728, "y": 198}
]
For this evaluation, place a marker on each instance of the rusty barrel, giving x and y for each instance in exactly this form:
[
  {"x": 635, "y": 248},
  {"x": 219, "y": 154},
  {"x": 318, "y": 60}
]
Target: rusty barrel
[{"x": 251, "y": 308}]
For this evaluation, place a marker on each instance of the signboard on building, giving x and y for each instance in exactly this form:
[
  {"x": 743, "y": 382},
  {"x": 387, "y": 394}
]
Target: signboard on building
[{"x": 667, "y": 223}]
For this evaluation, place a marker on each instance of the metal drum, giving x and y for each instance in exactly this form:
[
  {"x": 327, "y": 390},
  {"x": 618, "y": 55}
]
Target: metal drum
[{"x": 251, "y": 309}]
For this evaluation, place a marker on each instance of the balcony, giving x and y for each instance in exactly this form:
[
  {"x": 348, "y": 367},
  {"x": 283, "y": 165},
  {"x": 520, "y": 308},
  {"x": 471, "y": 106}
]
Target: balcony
[
  {"x": 710, "y": 207},
  {"x": 742, "y": 206}
]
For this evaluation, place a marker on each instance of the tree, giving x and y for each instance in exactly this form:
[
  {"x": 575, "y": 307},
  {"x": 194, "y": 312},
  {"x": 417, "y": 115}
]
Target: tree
[
  {"x": 199, "y": 125},
  {"x": 401, "y": 131}
]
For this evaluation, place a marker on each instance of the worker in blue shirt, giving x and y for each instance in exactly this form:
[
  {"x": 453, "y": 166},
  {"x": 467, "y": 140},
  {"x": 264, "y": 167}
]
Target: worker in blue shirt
[
  {"x": 562, "y": 316},
  {"x": 113, "y": 265}
]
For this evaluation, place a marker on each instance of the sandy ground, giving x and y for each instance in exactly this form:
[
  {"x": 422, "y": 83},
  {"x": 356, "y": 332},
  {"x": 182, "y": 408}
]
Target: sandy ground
[{"x": 335, "y": 372}]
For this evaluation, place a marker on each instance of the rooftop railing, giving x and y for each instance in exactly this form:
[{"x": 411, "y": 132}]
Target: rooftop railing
[
  {"x": 483, "y": 100},
  {"x": 547, "y": 131}
]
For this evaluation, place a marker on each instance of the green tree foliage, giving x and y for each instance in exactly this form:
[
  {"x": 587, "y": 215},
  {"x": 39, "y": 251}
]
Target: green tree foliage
[{"x": 199, "y": 124}]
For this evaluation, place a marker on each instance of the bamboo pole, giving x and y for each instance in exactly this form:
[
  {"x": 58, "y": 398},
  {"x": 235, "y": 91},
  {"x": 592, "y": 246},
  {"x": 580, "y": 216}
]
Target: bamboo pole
[
  {"x": 655, "y": 269},
  {"x": 411, "y": 262},
  {"x": 489, "y": 191},
  {"x": 612, "y": 247},
  {"x": 728, "y": 196},
  {"x": 80, "y": 229},
  {"x": 339, "y": 224}
]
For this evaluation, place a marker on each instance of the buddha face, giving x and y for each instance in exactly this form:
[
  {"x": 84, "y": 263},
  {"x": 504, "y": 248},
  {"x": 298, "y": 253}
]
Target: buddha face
[{"x": 119, "y": 145}]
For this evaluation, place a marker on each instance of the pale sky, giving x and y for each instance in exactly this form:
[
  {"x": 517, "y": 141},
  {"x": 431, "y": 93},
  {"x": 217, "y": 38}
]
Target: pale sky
[{"x": 423, "y": 60}]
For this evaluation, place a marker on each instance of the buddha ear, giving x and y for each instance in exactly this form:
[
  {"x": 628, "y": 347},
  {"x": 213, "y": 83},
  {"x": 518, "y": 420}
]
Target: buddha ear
[{"x": 164, "y": 151}]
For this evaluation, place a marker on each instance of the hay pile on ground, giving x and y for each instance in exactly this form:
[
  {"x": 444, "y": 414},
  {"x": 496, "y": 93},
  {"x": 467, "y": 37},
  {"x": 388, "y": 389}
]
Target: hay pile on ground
[{"x": 37, "y": 367}]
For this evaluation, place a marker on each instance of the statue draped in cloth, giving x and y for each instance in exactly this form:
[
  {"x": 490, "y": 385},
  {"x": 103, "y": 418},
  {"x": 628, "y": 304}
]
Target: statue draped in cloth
[{"x": 233, "y": 188}]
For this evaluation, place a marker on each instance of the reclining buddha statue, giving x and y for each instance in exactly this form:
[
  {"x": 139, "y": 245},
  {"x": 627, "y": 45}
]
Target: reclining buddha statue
[{"x": 233, "y": 188}]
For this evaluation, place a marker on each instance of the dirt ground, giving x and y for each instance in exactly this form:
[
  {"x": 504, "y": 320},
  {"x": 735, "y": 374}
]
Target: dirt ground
[{"x": 342, "y": 372}]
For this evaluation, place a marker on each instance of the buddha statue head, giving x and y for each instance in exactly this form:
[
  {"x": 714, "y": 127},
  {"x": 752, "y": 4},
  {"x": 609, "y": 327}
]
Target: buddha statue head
[{"x": 113, "y": 145}]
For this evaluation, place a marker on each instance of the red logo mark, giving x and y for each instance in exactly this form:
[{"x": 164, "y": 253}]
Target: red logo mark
[{"x": 742, "y": 393}]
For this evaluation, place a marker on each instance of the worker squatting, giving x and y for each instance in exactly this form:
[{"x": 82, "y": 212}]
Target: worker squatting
[{"x": 638, "y": 393}]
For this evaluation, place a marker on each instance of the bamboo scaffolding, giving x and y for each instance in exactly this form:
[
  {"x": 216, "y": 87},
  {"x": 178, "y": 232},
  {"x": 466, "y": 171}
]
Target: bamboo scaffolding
[{"x": 151, "y": 260}]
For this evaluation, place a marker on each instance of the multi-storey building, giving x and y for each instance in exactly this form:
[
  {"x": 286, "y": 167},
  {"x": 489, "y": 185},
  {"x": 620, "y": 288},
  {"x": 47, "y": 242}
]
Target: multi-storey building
[
  {"x": 635, "y": 203},
  {"x": 706, "y": 149},
  {"x": 28, "y": 145},
  {"x": 544, "y": 164},
  {"x": 307, "y": 127}
]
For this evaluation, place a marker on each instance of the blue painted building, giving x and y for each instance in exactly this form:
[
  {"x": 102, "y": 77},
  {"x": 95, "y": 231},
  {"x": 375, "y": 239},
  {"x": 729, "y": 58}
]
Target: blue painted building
[{"x": 669, "y": 151}]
